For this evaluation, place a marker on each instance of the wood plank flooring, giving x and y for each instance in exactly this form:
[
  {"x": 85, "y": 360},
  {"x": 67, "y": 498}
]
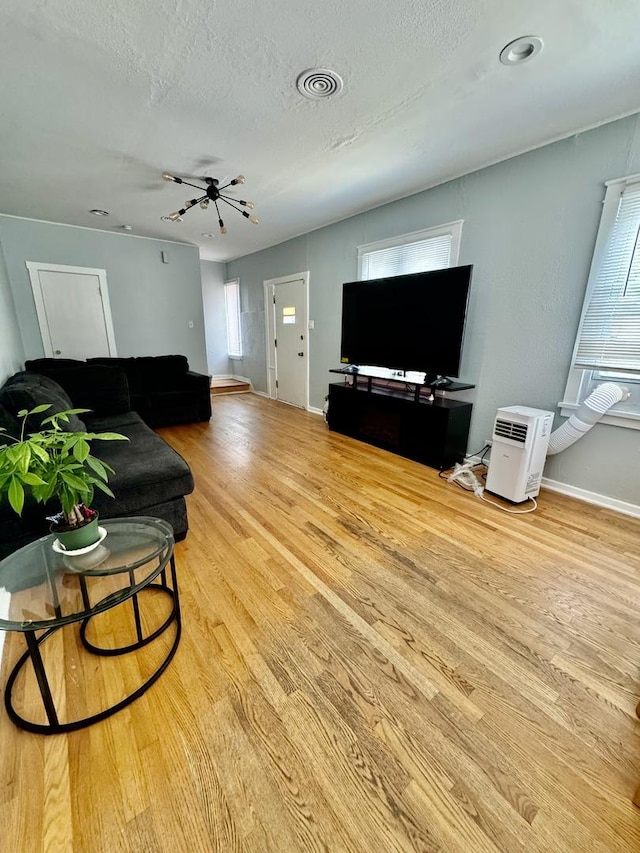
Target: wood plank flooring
[{"x": 372, "y": 660}]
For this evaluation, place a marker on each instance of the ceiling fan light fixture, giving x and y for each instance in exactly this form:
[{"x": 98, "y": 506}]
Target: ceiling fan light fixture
[
  {"x": 212, "y": 193},
  {"x": 97, "y": 212},
  {"x": 521, "y": 50}
]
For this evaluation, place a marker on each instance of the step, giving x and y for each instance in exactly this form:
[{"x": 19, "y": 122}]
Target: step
[{"x": 229, "y": 386}]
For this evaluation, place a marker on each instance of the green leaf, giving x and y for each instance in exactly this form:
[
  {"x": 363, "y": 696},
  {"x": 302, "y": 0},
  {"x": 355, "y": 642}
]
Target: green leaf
[
  {"x": 64, "y": 414},
  {"x": 41, "y": 408},
  {"x": 25, "y": 458},
  {"x": 81, "y": 450},
  {"x": 109, "y": 436},
  {"x": 38, "y": 451},
  {"x": 97, "y": 466},
  {"x": 73, "y": 481},
  {"x": 32, "y": 479},
  {"x": 16, "y": 495},
  {"x": 104, "y": 488},
  {"x": 13, "y": 453}
]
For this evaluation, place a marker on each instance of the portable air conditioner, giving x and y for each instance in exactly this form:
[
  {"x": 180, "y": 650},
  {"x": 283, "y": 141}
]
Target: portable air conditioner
[{"x": 518, "y": 451}]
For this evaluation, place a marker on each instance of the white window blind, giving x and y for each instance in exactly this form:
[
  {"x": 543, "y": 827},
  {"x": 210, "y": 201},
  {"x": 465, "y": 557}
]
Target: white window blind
[
  {"x": 421, "y": 251},
  {"x": 609, "y": 332},
  {"x": 432, "y": 254},
  {"x": 232, "y": 311}
]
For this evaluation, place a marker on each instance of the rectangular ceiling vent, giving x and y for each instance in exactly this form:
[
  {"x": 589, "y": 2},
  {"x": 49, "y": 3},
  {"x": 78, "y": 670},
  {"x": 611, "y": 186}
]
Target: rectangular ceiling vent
[{"x": 511, "y": 429}]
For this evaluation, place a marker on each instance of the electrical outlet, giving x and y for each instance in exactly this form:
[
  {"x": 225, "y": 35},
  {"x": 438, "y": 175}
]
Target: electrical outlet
[{"x": 488, "y": 441}]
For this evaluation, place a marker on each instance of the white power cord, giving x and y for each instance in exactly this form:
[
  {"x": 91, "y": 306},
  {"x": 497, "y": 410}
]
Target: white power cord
[
  {"x": 512, "y": 511},
  {"x": 465, "y": 476}
]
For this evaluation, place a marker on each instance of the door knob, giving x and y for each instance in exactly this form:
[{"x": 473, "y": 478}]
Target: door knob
[
  {"x": 58, "y": 351},
  {"x": 300, "y": 353}
]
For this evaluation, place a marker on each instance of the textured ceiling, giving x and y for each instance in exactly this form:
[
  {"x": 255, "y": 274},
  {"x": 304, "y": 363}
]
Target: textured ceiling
[{"x": 98, "y": 98}]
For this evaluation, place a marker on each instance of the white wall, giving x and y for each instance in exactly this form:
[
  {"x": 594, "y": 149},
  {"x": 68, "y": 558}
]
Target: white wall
[
  {"x": 529, "y": 230},
  {"x": 214, "y": 317},
  {"x": 11, "y": 352},
  {"x": 152, "y": 303}
]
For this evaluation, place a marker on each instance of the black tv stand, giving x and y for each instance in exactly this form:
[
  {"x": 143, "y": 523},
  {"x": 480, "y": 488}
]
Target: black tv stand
[{"x": 401, "y": 415}]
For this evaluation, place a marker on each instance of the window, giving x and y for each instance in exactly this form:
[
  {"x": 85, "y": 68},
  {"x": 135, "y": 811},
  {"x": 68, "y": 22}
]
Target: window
[
  {"x": 607, "y": 345},
  {"x": 289, "y": 315},
  {"x": 232, "y": 311},
  {"x": 421, "y": 251}
]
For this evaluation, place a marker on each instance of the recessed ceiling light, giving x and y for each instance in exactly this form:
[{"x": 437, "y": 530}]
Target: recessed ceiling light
[
  {"x": 127, "y": 227},
  {"x": 207, "y": 235},
  {"x": 521, "y": 50},
  {"x": 97, "y": 212},
  {"x": 316, "y": 83}
]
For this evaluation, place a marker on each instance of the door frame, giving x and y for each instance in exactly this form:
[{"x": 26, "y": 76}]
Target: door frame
[
  {"x": 34, "y": 267},
  {"x": 269, "y": 323}
]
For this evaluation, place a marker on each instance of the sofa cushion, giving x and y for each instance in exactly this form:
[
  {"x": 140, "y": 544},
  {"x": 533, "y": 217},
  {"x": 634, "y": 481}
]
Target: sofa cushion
[
  {"x": 126, "y": 364},
  {"x": 161, "y": 371},
  {"x": 28, "y": 390},
  {"x": 43, "y": 365},
  {"x": 101, "y": 388},
  {"x": 147, "y": 469}
]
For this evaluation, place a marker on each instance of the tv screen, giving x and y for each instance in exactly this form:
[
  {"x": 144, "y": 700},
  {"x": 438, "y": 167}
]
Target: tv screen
[{"x": 407, "y": 322}]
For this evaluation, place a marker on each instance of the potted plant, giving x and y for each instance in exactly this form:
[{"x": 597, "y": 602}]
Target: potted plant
[{"x": 54, "y": 463}]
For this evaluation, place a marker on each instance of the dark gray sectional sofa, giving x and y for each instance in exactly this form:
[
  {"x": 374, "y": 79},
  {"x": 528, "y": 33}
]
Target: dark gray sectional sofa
[{"x": 151, "y": 478}]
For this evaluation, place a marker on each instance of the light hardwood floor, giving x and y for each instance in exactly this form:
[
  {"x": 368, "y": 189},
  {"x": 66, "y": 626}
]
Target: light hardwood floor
[{"x": 372, "y": 660}]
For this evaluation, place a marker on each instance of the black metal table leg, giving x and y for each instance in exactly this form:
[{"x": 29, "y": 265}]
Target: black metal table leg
[
  {"x": 33, "y": 654},
  {"x": 54, "y": 726}
]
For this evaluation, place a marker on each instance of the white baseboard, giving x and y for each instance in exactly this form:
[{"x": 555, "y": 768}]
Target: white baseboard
[
  {"x": 585, "y": 495},
  {"x": 592, "y": 497},
  {"x": 313, "y": 410}
]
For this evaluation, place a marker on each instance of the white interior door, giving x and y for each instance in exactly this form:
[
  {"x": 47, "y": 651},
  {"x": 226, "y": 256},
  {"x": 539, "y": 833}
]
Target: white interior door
[
  {"x": 291, "y": 345},
  {"x": 73, "y": 310}
]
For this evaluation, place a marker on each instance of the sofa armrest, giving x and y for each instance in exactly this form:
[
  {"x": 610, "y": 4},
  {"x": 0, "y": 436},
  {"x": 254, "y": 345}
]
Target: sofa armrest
[{"x": 197, "y": 381}]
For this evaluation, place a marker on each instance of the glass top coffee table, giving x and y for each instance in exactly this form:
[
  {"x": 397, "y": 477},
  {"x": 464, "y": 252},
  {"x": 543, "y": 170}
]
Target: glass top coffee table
[{"x": 42, "y": 590}]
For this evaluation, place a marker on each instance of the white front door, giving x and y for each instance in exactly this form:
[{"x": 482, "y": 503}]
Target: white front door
[
  {"x": 291, "y": 345},
  {"x": 73, "y": 310}
]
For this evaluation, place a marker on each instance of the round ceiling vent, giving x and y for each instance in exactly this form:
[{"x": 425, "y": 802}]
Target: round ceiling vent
[{"x": 316, "y": 83}]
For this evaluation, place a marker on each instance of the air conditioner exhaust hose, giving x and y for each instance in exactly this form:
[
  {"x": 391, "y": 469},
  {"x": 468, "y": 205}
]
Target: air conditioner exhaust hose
[{"x": 591, "y": 410}]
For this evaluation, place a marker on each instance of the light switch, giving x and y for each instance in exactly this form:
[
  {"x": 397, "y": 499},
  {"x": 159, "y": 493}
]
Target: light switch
[{"x": 165, "y": 257}]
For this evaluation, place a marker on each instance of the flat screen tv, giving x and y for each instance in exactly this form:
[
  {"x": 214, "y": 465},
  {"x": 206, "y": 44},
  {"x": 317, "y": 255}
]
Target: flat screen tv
[{"x": 407, "y": 322}]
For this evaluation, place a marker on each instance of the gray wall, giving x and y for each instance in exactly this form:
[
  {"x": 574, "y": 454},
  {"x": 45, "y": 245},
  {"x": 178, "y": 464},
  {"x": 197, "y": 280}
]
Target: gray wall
[
  {"x": 11, "y": 352},
  {"x": 529, "y": 229},
  {"x": 151, "y": 302},
  {"x": 213, "y": 280}
]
